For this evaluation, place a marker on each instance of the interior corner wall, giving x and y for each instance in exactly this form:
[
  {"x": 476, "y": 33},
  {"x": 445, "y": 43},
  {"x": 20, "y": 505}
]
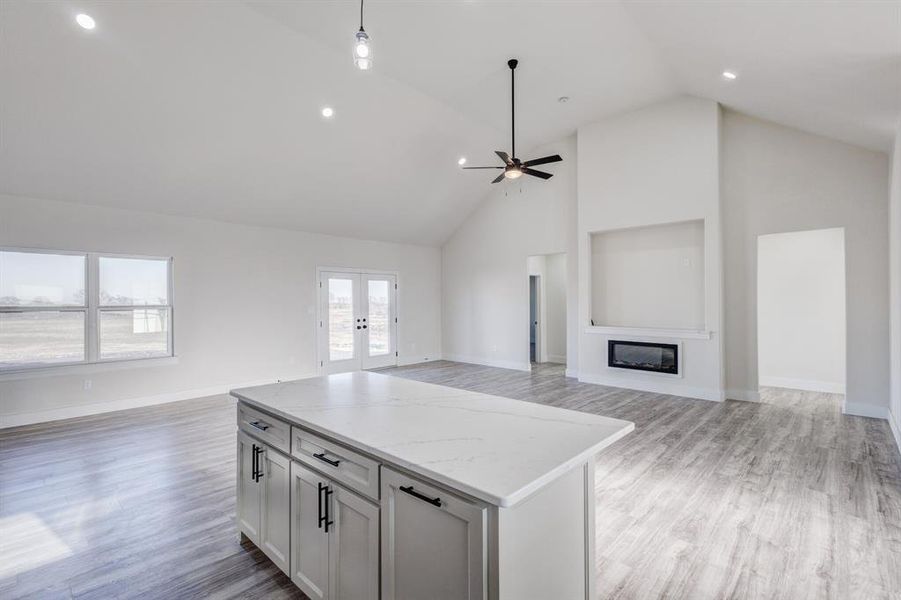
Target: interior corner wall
[
  {"x": 653, "y": 166},
  {"x": 244, "y": 311},
  {"x": 485, "y": 283},
  {"x": 778, "y": 179},
  {"x": 895, "y": 283}
]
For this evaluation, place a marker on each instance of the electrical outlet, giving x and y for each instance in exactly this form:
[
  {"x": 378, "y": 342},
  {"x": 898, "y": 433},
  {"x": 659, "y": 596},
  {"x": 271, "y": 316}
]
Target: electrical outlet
[{"x": 87, "y": 384}]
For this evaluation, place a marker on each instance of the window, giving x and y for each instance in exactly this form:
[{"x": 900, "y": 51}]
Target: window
[{"x": 68, "y": 308}]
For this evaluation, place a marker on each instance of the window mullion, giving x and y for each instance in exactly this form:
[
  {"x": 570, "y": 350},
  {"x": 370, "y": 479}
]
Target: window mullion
[{"x": 92, "y": 333}]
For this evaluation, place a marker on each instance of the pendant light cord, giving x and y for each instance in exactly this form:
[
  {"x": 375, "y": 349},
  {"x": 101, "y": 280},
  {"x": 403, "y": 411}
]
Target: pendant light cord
[{"x": 361, "y": 16}]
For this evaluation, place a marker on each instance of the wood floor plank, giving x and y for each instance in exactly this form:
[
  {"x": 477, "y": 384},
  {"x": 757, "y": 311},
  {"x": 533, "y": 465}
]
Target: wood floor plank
[{"x": 786, "y": 498}]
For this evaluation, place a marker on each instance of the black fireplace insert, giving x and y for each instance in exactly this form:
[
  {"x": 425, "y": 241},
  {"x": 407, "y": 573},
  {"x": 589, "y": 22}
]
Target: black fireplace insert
[{"x": 643, "y": 356}]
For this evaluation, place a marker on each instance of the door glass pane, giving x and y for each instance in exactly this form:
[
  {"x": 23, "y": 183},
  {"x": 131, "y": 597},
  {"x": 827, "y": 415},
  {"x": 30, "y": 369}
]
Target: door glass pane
[
  {"x": 379, "y": 317},
  {"x": 340, "y": 319},
  {"x": 41, "y": 337},
  {"x": 138, "y": 333},
  {"x": 38, "y": 279},
  {"x": 133, "y": 281}
]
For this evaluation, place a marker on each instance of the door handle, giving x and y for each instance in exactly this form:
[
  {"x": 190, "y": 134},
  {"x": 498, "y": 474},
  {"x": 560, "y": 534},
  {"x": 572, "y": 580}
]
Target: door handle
[
  {"x": 409, "y": 489},
  {"x": 258, "y": 451},
  {"x": 328, "y": 492},
  {"x": 321, "y": 456},
  {"x": 321, "y": 519}
]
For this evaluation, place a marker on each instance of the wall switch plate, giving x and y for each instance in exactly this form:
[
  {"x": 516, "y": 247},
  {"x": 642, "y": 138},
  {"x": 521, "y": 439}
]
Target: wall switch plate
[{"x": 87, "y": 384}]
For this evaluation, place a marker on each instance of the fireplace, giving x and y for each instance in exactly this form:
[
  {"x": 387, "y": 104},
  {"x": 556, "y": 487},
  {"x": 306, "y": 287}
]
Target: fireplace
[{"x": 643, "y": 356}]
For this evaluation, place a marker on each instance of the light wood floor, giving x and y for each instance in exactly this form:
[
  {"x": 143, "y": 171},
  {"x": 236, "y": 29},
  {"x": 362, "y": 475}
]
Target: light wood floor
[{"x": 781, "y": 499}]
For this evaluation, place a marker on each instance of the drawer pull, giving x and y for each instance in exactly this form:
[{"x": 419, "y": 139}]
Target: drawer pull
[
  {"x": 321, "y": 456},
  {"x": 409, "y": 489},
  {"x": 258, "y": 425}
]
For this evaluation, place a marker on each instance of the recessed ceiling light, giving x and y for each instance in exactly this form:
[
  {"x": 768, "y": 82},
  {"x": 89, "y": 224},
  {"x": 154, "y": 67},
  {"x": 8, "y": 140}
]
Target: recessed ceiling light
[
  {"x": 328, "y": 112},
  {"x": 729, "y": 75},
  {"x": 85, "y": 21},
  {"x": 563, "y": 99},
  {"x": 462, "y": 161}
]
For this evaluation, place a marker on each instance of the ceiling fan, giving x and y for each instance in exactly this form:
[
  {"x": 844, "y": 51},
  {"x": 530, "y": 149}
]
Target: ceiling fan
[{"x": 513, "y": 167}]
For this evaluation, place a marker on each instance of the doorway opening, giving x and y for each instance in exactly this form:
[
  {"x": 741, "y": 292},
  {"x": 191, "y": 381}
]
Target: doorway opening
[
  {"x": 357, "y": 320},
  {"x": 801, "y": 314},
  {"x": 547, "y": 309}
]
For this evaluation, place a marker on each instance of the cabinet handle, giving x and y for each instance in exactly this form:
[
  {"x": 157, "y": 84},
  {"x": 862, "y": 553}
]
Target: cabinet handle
[
  {"x": 321, "y": 518},
  {"x": 328, "y": 492},
  {"x": 409, "y": 489},
  {"x": 321, "y": 456},
  {"x": 258, "y": 451},
  {"x": 254, "y": 463},
  {"x": 258, "y": 425}
]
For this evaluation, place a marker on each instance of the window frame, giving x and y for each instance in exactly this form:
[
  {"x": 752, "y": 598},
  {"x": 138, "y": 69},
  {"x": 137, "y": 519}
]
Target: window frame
[{"x": 92, "y": 309}]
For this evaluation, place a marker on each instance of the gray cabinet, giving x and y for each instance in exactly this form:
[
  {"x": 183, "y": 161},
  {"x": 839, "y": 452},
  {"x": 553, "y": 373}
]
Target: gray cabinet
[
  {"x": 248, "y": 488},
  {"x": 263, "y": 489},
  {"x": 334, "y": 538},
  {"x": 275, "y": 504},
  {"x": 434, "y": 544}
]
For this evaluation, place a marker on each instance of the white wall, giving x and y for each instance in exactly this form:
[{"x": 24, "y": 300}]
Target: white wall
[
  {"x": 486, "y": 288},
  {"x": 801, "y": 310},
  {"x": 555, "y": 299},
  {"x": 649, "y": 276},
  {"x": 245, "y": 302},
  {"x": 895, "y": 280},
  {"x": 653, "y": 166},
  {"x": 777, "y": 179}
]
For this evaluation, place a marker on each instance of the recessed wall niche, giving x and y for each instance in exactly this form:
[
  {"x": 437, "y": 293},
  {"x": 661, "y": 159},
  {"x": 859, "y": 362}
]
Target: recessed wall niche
[{"x": 649, "y": 277}]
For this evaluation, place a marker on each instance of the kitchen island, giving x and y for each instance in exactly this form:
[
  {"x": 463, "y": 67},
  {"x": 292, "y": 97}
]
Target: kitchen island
[{"x": 362, "y": 485}]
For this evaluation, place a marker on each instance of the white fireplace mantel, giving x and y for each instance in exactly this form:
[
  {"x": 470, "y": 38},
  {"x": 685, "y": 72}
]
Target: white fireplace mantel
[{"x": 673, "y": 334}]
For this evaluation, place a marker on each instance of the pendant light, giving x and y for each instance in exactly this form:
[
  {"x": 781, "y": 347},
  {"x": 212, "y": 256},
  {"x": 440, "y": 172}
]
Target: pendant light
[{"x": 362, "y": 46}]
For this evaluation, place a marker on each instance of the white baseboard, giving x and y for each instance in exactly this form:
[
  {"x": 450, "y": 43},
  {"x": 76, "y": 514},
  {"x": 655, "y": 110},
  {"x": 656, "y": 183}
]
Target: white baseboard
[
  {"x": 404, "y": 361},
  {"x": 662, "y": 387},
  {"x": 489, "y": 362},
  {"x": 743, "y": 395},
  {"x": 96, "y": 408},
  {"x": 865, "y": 410},
  {"x": 557, "y": 358},
  {"x": 894, "y": 422},
  {"x": 810, "y": 385},
  {"x": 571, "y": 373}
]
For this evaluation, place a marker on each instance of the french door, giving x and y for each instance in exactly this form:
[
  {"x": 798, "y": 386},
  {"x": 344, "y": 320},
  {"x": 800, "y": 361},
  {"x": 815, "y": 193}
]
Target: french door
[{"x": 357, "y": 321}]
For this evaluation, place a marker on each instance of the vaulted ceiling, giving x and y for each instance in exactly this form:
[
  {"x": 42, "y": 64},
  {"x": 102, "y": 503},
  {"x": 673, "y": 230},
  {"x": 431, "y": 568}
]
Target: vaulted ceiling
[{"x": 212, "y": 109}]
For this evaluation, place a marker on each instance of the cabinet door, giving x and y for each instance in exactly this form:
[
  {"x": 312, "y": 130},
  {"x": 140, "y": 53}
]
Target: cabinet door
[
  {"x": 248, "y": 491},
  {"x": 309, "y": 540},
  {"x": 275, "y": 531},
  {"x": 434, "y": 545},
  {"x": 353, "y": 546}
]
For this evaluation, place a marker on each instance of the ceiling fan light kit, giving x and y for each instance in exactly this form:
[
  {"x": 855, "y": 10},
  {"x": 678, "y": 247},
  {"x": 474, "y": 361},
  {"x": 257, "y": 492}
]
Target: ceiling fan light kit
[{"x": 514, "y": 167}]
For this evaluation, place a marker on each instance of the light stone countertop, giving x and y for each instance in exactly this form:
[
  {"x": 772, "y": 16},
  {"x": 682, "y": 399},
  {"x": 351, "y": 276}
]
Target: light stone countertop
[{"x": 496, "y": 449}]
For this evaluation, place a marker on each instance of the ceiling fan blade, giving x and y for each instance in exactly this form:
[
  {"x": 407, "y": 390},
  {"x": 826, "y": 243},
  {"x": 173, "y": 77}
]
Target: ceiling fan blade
[
  {"x": 483, "y": 167},
  {"x": 542, "y": 161},
  {"x": 504, "y": 157},
  {"x": 499, "y": 178},
  {"x": 541, "y": 174}
]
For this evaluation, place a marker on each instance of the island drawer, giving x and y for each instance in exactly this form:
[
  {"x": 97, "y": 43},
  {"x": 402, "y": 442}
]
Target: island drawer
[
  {"x": 341, "y": 464},
  {"x": 268, "y": 429}
]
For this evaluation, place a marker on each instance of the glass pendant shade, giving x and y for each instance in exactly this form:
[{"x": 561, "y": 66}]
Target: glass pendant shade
[{"x": 362, "y": 51}]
